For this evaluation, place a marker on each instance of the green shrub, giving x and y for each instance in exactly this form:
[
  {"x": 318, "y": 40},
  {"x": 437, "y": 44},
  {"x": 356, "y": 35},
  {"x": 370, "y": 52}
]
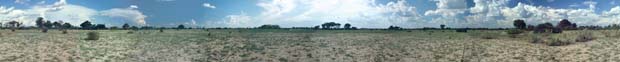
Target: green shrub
[{"x": 92, "y": 36}]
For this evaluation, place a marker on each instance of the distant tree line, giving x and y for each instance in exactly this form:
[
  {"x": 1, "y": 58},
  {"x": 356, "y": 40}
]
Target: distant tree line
[
  {"x": 564, "y": 24},
  {"x": 43, "y": 24}
]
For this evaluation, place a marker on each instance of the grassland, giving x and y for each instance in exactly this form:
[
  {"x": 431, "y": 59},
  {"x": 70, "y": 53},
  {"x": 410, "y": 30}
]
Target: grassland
[{"x": 299, "y": 45}]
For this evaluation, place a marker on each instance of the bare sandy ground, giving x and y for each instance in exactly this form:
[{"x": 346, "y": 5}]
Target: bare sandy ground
[{"x": 244, "y": 45}]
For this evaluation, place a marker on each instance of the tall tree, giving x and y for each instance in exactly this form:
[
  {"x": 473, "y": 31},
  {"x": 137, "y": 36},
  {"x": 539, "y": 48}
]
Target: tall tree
[
  {"x": 269, "y": 26},
  {"x": 519, "y": 24},
  {"x": 565, "y": 24},
  {"x": 330, "y": 25},
  {"x": 394, "y": 28},
  {"x": 181, "y": 26},
  {"x": 67, "y": 25},
  {"x": 442, "y": 26},
  {"x": 100, "y": 26},
  {"x": 86, "y": 25},
  {"x": 14, "y": 25},
  {"x": 347, "y": 26},
  {"x": 125, "y": 26},
  {"x": 57, "y": 24},
  {"x": 40, "y": 22},
  {"x": 48, "y": 24}
]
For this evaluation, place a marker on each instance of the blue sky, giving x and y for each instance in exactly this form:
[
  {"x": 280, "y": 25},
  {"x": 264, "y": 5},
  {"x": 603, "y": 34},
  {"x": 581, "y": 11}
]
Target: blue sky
[{"x": 306, "y": 13}]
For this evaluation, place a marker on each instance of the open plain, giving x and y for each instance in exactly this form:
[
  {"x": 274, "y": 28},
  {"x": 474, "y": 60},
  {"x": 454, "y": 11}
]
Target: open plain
[{"x": 301, "y": 45}]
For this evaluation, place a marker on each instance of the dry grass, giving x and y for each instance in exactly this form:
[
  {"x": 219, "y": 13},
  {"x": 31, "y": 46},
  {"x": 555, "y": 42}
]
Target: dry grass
[{"x": 279, "y": 45}]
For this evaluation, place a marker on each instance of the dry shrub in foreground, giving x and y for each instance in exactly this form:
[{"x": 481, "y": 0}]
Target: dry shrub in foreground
[
  {"x": 536, "y": 39},
  {"x": 64, "y": 32},
  {"x": 558, "y": 42},
  {"x": 584, "y": 37},
  {"x": 92, "y": 36},
  {"x": 551, "y": 39},
  {"x": 44, "y": 30}
]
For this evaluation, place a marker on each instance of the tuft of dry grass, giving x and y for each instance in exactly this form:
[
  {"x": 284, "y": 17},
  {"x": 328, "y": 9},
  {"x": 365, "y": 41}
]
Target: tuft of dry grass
[{"x": 64, "y": 32}]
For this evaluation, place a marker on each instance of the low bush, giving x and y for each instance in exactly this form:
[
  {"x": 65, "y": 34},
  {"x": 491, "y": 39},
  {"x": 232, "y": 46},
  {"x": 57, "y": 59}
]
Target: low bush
[
  {"x": 130, "y": 32},
  {"x": 92, "y": 36},
  {"x": 584, "y": 37},
  {"x": 558, "y": 42}
]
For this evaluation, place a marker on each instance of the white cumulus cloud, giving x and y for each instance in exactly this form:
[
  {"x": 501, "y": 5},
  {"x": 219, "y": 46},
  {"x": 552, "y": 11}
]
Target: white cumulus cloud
[
  {"x": 305, "y": 13},
  {"x": 208, "y": 5},
  {"x": 130, "y": 14},
  {"x": 69, "y": 13}
]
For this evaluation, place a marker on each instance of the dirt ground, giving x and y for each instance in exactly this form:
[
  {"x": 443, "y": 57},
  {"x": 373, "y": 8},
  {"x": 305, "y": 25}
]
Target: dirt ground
[{"x": 300, "y": 45}]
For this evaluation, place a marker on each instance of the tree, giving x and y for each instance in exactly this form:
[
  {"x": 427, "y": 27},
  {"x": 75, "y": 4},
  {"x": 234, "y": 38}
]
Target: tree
[
  {"x": 330, "y": 25},
  {"x": 181, "y": 26},
  {"x": 542, "y": 28},
  {"x": 100, "y": 26},
  {"x": 39, "y": 22},
  {"x": 442, "y": 26},
  {"x": 347, "y": 26},
  {"x": 519, "y": 24},
  {"x": 269, "y": 27},
  {"x": 86, "y": 25},
  {"x": 57, "y": 24},
  {"x": 14, "y": 25},
  {"x": 317, "y": 27},
  {"x": 48, "y": 24},
  {"x": 394, "y": 28},
  {"x": 565, "y": 24},
  {"x": 67, "y": 25},
  {"x": 125, "y": 26}
]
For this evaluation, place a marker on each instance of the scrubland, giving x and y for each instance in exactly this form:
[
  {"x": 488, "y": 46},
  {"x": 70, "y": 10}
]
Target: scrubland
[{"x": 304, "y": 45}]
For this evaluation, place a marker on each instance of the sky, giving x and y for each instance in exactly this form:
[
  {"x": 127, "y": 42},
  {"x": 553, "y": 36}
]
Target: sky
[{"x": 308, "y": 13}]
